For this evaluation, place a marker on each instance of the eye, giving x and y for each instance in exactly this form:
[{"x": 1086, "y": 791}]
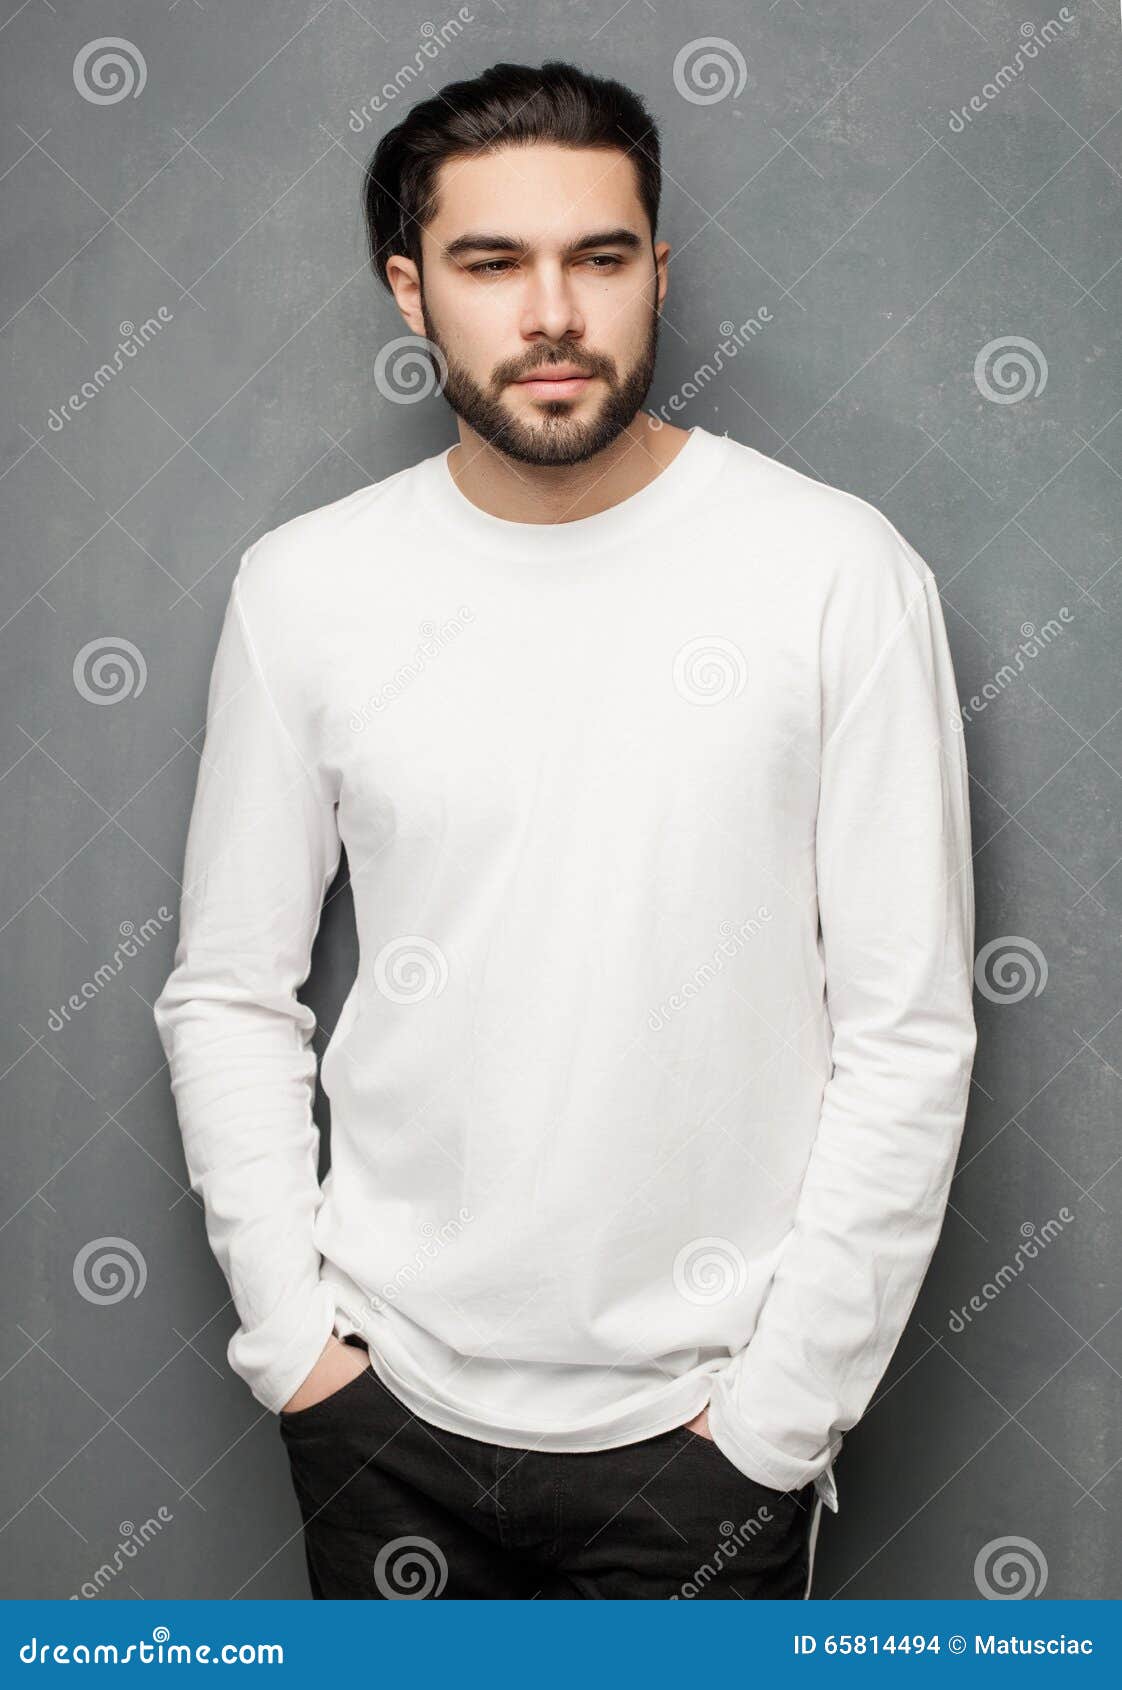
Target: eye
[{"x": 601, "y": 262}]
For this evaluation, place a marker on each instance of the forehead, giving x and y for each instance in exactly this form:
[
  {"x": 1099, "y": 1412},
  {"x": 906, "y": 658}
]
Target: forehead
[{"x": 541, "y": 194}]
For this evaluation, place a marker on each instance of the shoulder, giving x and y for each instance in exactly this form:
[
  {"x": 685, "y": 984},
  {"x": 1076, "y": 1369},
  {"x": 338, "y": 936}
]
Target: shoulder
[
  {"x": 840, "y": 542},
  {"x": 292, "y": 570}
]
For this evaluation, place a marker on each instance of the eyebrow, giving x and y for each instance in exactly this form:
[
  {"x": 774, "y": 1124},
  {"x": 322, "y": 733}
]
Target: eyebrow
[{"x": 483, "y": 242}]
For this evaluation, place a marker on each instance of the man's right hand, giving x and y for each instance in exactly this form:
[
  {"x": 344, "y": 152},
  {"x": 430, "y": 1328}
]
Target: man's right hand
[{"x": 337, "y": 1365}]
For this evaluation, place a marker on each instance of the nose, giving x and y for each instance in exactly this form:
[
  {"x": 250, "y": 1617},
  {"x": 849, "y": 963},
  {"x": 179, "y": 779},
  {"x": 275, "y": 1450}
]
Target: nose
[{"x": 549, "y": 308}]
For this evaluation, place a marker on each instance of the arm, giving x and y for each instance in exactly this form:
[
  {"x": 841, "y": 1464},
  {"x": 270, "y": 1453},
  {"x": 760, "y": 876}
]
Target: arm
[
  {"x": 896, "y": 912},
  {"x": 262, "y": 848}
]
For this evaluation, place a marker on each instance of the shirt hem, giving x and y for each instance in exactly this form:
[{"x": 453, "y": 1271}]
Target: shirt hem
[
  {"x": 629, "y": 1430},
  {"x": 682, "y": 1401}
]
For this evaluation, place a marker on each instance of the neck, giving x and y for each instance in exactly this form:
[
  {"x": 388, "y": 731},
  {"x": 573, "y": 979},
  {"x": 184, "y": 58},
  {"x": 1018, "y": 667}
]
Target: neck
[{"x": 553, "y": 493}]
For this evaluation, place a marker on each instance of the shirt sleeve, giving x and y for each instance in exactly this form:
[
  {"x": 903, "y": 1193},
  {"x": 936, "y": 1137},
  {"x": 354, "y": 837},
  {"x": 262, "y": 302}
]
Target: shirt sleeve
[
  {"x": 262, "y": 848},
  {"x": 896, "y": 931}
]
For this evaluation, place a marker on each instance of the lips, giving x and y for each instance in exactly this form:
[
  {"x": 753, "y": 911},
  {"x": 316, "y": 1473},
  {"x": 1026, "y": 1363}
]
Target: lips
[
  {"x": 555, "y": 373},
  {"x": 549, "y": 386}
]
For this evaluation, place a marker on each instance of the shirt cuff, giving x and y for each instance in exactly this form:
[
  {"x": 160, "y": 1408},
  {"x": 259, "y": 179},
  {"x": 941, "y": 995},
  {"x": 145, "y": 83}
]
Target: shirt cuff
[{"x": 767, "y": 1465}]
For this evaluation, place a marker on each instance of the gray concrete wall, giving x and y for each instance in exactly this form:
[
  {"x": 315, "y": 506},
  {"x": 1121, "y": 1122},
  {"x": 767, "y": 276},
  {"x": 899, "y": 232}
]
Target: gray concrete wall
[{"x": 936, "y": 299}]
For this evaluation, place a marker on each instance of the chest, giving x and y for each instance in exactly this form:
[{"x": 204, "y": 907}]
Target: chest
[{"x": 696, "y": 705}]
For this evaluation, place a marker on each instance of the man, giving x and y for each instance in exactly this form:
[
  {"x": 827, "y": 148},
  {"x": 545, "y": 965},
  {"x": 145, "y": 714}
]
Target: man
[{"x": 647, "y": 1095}]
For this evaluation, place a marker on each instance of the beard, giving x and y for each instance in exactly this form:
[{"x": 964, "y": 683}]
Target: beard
[{"x": 556, "y": 436}]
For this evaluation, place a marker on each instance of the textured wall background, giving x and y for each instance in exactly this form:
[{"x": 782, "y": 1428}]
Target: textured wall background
[{"x": 936, "y": 300}]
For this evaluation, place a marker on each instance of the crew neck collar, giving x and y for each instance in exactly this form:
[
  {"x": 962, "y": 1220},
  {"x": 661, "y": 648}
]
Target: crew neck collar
[{"x": 672, "y": 489}]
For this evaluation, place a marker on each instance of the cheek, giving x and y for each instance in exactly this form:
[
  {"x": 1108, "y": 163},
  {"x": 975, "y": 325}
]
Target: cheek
[
  {"x": 477, "y": 328},
  {"x": 618, "y": 325}
]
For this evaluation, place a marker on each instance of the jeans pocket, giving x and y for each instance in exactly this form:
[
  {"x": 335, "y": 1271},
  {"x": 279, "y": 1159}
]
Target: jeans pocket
[
  {"x": 776, "y": 1499},
  {"x": 291, "y": 1419}
]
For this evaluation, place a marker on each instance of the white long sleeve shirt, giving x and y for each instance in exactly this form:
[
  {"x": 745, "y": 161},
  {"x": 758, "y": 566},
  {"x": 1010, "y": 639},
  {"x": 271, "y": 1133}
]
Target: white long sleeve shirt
[{"x": 650, "y": 1086}]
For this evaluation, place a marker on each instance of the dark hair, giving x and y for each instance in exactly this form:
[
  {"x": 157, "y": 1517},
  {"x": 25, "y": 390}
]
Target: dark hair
[{"x": 508, "y": 105}]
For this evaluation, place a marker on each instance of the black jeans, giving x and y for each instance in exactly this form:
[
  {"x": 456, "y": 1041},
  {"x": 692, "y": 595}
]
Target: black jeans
[{"x": 393, "y": 1507}]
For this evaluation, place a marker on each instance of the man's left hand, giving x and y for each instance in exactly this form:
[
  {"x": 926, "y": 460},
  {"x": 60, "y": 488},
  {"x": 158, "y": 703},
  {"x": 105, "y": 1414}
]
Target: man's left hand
[{"x": 700, "y": 1425}]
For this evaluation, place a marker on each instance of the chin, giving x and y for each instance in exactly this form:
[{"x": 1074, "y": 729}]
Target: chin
[{"x": 554, "y": 436}]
